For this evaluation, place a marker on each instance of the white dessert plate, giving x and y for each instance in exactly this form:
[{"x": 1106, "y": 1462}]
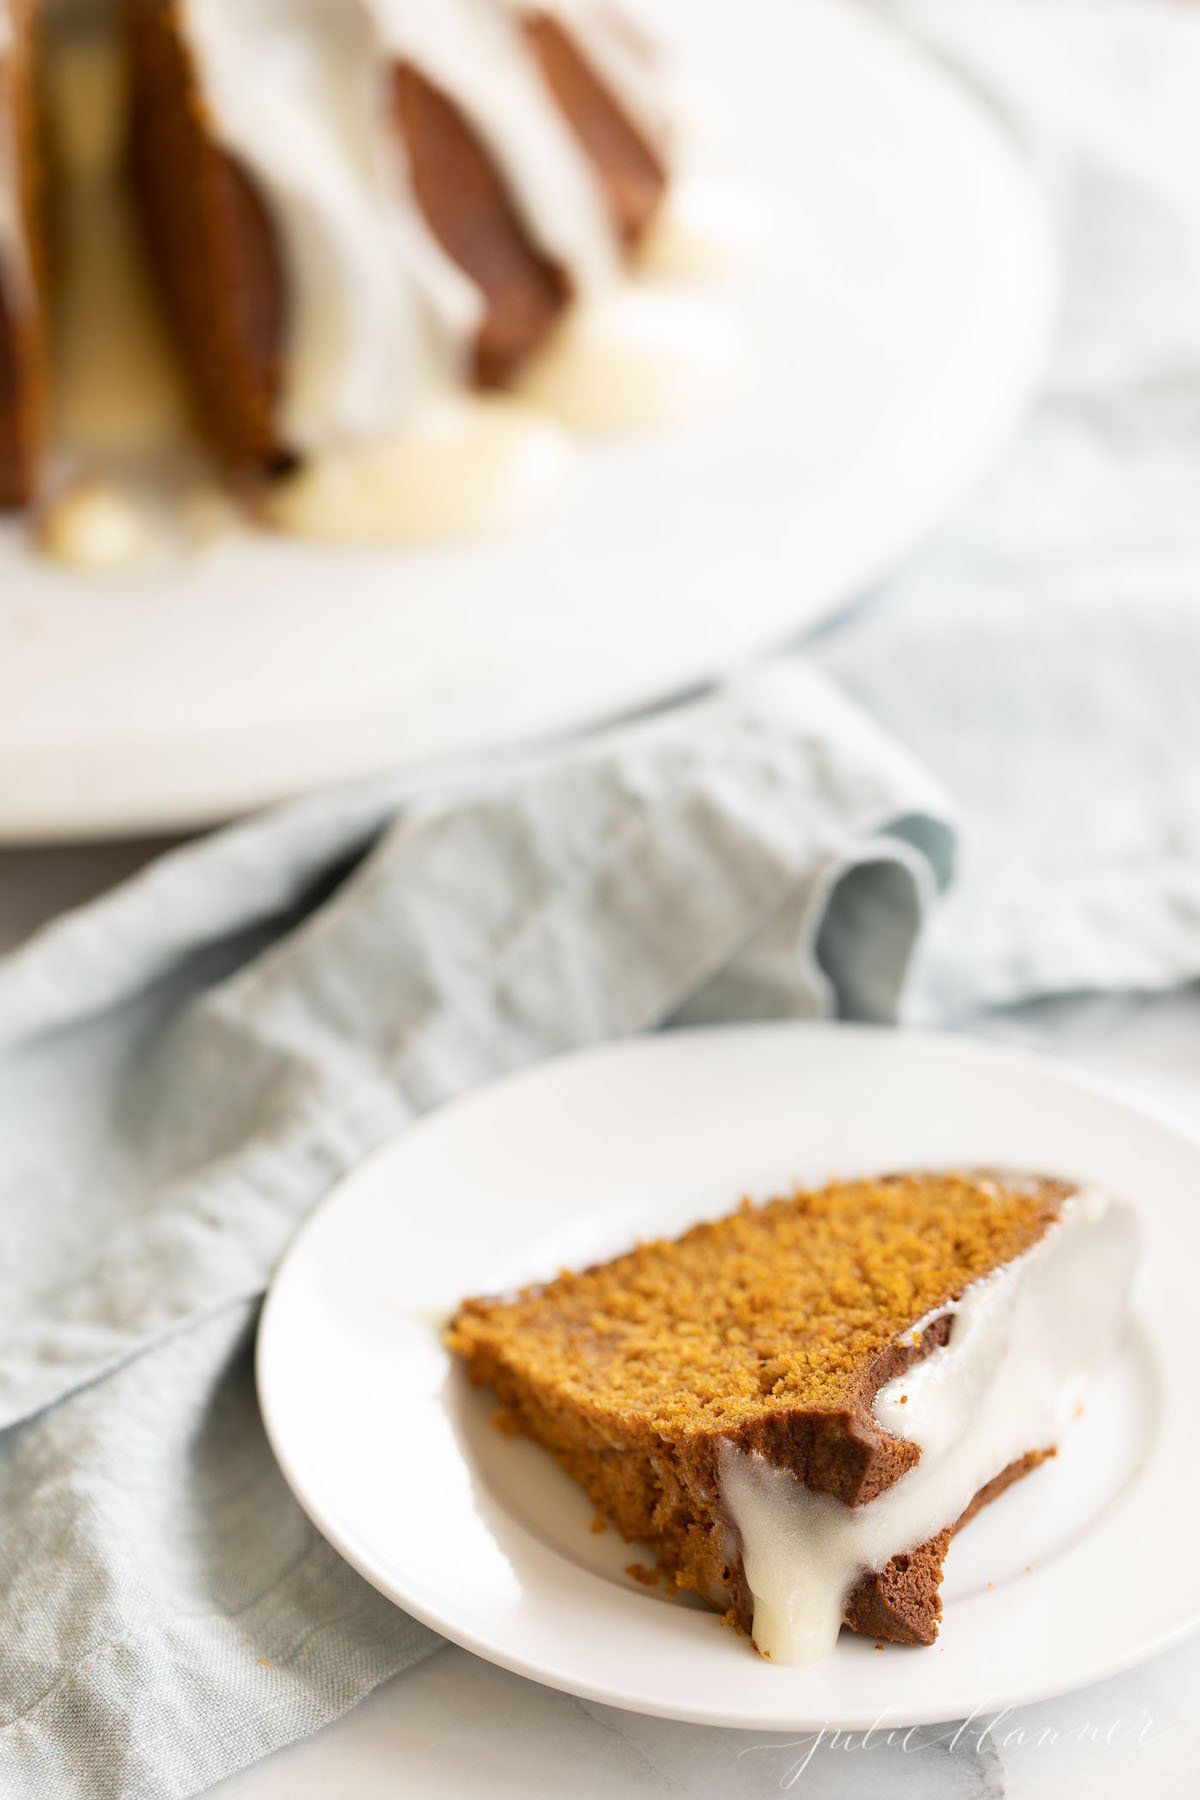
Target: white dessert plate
[
  {"x": 1072, "y": 1575},
  {"x": 899, "y": 320}
]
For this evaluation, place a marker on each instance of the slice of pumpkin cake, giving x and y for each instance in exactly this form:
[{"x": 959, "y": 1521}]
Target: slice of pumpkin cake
[{"x": 796, "y": 1406}]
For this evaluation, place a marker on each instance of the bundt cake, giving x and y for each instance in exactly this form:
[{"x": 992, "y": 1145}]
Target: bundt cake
[
  {"x": 796, "y": 1406},
  {"x": 360, "y": 218},
  {"x": 350, "y": 206},
  {"x": 23, "y": 354}
]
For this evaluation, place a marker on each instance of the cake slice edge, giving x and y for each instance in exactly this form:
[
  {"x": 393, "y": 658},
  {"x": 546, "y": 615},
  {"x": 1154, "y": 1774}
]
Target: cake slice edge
[{"x": 679, "y": 1497}]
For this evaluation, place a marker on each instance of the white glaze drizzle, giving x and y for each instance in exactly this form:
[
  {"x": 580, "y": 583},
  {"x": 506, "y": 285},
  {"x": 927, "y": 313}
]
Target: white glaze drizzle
[
  {"x": 463, "y": 465},
  {"x": 705, "y": 228},
  {"x": 474, "y": 51},
  {"x": 631, "y": 64},
  {"x": 296, "y": 91},
  {"x": 1024, "y": 1343},
  {"x": 380, "y": 317},
  {"x": 635, "y": 357},
  {"x": 104, "y": 527}
]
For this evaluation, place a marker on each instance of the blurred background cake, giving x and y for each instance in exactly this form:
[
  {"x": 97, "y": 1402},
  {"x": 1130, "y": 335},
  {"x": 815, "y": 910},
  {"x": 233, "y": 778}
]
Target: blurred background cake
[
  {"x": 22, "y": 317},
  {"x": 350, "y": 206},
  {"x": 361, "y": 218}
]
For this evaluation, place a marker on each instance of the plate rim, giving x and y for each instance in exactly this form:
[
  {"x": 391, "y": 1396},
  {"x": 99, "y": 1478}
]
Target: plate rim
[{"x": 985, "y": 1052}]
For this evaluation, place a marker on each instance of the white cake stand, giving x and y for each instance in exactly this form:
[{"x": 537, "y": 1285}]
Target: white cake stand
[{"x": 900, "y": 324}]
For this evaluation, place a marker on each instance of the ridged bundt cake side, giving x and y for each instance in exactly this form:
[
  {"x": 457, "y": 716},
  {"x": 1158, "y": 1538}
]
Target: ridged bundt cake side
[{"x": 347, "y": 206}]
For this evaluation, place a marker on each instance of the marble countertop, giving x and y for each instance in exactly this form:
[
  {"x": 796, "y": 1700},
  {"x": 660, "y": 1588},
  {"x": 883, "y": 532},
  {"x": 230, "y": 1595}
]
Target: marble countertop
[{"x": 456, "y": 1725}]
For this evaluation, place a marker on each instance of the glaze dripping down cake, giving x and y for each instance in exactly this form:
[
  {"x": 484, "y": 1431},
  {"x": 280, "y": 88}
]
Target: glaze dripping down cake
[
  {"x": 396, "y": 253},
  {"x": 796, "y": 1406}
]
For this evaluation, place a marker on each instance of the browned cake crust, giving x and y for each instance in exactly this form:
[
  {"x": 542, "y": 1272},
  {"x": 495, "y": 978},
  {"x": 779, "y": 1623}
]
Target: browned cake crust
[
  {"x": 634, "y": 176},
  {"x": 772, "y": 1330},
  {"x": 464, "y": 200},
  {"x": 903, "y": 1602},
  {"x": 211, "y": 245},
  {"x": 23, "y": 326},
  {"x": 220, "y": 268}
]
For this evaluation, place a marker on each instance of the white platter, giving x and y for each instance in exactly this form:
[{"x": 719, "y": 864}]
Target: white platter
[
  {"x": 1072, "y": 1575},
  {"x": 900, "y": 321}
]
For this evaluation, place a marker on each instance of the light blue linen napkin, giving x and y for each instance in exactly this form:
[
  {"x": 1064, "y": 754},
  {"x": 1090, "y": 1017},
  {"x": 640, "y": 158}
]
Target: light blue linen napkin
[
  {"x": 1044, "y": 653},
  {"x": 187, "y": 1065}
]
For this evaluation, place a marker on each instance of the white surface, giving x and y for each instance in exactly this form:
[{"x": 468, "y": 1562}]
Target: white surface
[
  {"x": 900, "y": 322},
  {"x": 457, "y": 1726},
  {"x": 398, "y": 1463}
]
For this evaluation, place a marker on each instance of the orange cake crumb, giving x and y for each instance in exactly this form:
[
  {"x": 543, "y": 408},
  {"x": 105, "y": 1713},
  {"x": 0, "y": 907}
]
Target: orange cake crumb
[{"x": 772, "y": 1328}]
